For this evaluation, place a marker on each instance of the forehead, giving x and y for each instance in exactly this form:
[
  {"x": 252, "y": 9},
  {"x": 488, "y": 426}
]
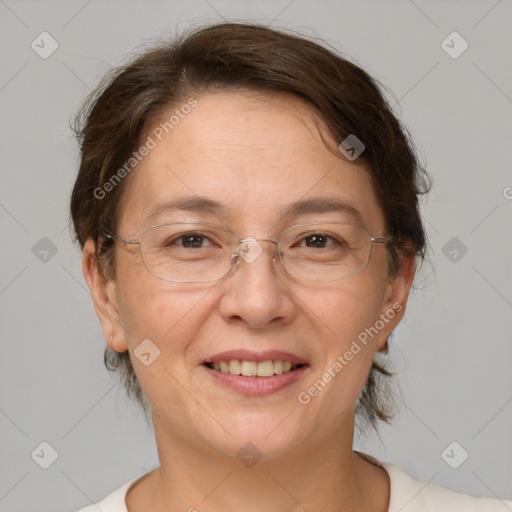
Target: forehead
[{"x": 254, "y": 154}]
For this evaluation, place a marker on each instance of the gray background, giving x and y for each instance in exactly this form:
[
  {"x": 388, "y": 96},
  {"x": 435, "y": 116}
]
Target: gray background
[{"x": 453, "y": 351}]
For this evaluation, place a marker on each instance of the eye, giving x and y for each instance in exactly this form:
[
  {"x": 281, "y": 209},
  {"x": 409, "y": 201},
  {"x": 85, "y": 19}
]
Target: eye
[
  {"x": 192, "y": 241},
  {"x": 317, "y": 241},
  {"x": 189, "y": 241}
]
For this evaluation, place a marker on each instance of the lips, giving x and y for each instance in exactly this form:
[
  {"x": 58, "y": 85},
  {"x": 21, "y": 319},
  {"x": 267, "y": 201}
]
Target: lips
[
  {"x": 253, "y": 369},
  {"x": 255, "y": 364},
  {"x": 255, "y": 373},
  {"x": 256, "y": 356}
]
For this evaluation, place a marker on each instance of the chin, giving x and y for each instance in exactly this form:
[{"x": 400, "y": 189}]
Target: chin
[{"x": 258, "y": 435}]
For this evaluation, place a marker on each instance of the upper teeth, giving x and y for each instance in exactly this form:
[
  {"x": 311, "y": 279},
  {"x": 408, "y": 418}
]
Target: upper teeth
[{"x": 253, "y": 369}]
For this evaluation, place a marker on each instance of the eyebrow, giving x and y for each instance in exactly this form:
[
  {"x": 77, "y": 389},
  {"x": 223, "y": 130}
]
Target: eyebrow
[
  {"x": 295, "y": 209},
  {"x": 322, "y": 205},
  {"x": 191, "y": 204}
]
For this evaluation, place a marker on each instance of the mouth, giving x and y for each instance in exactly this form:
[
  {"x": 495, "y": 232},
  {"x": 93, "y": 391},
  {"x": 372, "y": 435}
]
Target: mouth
[
  {"x": 245, "y": 368},
  {"x": 255, "y": 373}
]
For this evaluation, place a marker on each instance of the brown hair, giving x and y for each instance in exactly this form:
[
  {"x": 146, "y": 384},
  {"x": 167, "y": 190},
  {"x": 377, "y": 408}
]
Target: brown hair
[{"x": 130, "y": 99}]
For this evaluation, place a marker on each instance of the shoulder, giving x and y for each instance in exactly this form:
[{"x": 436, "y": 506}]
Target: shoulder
[
  {"x": 114, "y": 502},
  {"x": 410, "y": 495}
]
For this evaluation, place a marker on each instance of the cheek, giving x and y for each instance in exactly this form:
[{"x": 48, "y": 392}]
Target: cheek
[
  {"x": 342, "y": 320},
  {"x": 169, "y": 314},
  {"x": 345, "y": 309},
  {"x": 157, "y": 312},
  {"x": 161, "y": 324}
]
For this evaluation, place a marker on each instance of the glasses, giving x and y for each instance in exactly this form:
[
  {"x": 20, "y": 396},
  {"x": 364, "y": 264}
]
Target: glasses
[{"x": 193, "y": 252}]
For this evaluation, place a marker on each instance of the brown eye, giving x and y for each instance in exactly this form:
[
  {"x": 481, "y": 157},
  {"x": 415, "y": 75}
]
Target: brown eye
[
  {"x": 192, "y": 241},
  {"x": 188, "y": 241},
  {"x": 316, "y": 241}
]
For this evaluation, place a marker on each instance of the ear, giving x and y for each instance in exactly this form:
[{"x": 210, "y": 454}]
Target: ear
[
  {"x": 397, "y": 292},
  {"x": 104, "y": 299}
]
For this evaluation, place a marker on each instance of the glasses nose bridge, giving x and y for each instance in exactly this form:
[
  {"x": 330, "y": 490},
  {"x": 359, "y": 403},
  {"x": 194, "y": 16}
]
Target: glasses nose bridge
[{"x": 249, "y": 249}]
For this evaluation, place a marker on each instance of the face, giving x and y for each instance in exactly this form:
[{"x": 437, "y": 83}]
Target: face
[{"x": 254, "y": 156}]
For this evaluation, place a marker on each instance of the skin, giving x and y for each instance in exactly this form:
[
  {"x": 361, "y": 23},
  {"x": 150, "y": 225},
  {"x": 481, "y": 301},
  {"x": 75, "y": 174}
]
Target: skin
[{"x": 253, "y": 154}]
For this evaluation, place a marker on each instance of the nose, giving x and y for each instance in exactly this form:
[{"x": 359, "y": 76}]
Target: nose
[{"x": 255, "y": 293}]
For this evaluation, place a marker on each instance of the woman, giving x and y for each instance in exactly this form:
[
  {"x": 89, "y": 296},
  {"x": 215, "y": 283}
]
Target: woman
[{"x": 247, "y": 206}]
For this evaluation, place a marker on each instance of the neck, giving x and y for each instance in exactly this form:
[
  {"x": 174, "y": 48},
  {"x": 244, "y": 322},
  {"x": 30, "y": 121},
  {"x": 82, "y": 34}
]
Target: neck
[{"x": 324, "y": 475}]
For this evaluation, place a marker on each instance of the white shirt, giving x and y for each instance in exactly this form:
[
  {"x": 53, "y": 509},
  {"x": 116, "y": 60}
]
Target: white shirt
[{"x": 407, "y": 495}]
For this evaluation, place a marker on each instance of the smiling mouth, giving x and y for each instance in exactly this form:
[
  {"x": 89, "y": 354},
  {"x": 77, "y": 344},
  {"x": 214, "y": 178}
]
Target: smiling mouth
[{"x": 267, "y": 368}]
